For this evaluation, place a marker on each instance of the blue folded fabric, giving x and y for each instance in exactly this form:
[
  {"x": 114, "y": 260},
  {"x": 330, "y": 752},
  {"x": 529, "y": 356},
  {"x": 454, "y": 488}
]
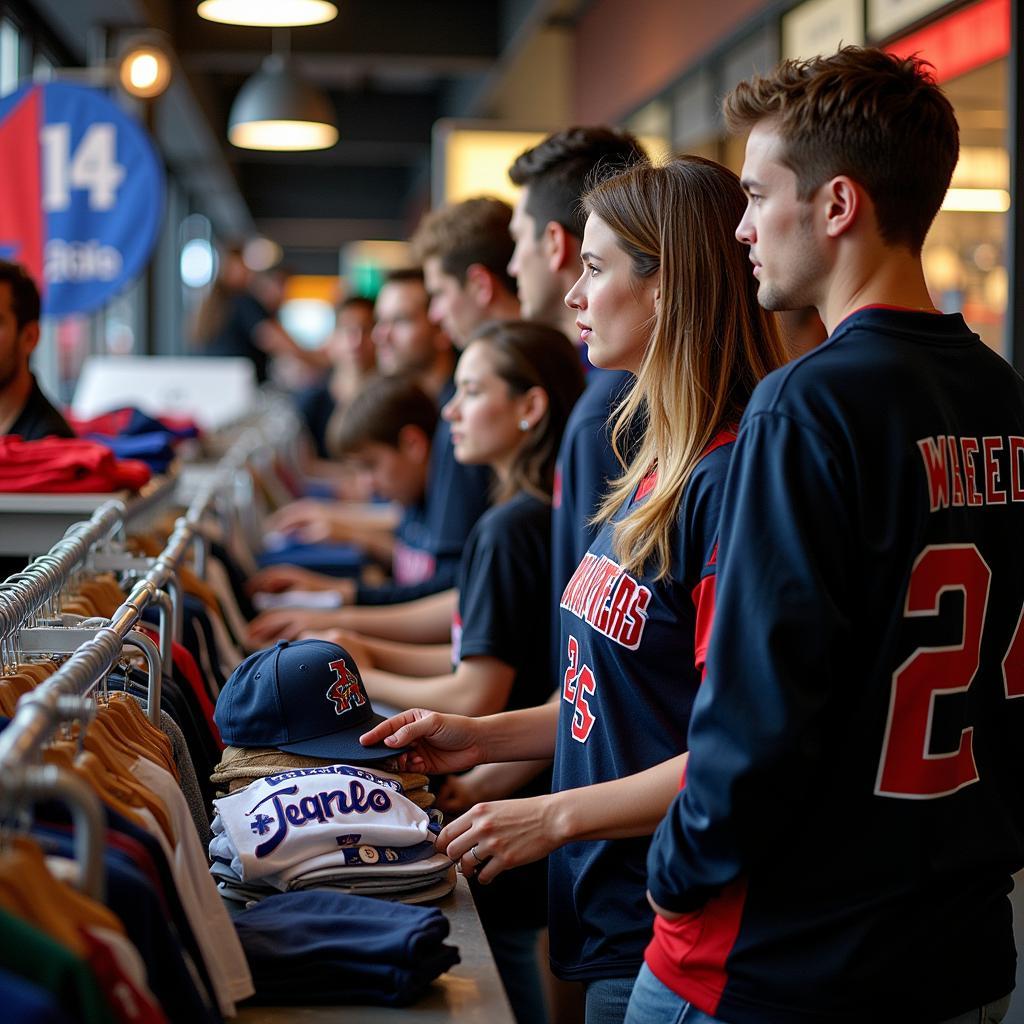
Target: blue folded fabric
[
  {"x": 154, "y": 449},
  {"x": 330, "y": 559},
  {"x": 323, "y": 947},
  {"x": 140, "y": 423}
]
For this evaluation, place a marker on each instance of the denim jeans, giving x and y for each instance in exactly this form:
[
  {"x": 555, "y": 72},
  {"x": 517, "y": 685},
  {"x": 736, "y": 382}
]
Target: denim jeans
[
  {"x": 515, "y": 956},
  {"x": 655, "y": 1003},
  {"x": 607, "y": 999}
]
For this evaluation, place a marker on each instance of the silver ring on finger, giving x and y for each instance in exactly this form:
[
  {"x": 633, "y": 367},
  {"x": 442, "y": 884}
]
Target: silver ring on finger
[{"x": 476, "y": 856}]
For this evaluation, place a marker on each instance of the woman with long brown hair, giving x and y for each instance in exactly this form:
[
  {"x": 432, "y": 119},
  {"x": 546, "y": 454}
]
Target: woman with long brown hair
[{"x": 665, "y": 293}]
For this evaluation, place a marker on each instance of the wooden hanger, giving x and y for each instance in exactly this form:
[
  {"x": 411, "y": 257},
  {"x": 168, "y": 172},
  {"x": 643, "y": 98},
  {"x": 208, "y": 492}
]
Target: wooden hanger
[{"x": 31, "y": 892}]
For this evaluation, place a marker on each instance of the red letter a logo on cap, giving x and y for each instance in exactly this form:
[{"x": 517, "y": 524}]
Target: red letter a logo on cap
[{"x": 344, "y": 691}]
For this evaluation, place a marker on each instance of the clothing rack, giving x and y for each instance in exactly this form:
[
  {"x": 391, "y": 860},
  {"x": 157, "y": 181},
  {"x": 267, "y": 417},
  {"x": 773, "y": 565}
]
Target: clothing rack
[{"x": 94, "y": 646}]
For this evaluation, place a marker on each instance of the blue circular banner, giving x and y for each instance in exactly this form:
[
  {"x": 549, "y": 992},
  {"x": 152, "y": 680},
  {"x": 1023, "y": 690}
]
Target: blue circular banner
[{"x": 82, "y": 194}]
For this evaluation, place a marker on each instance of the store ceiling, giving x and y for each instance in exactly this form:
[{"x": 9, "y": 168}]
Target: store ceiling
[{"x": 391, "y": 68}]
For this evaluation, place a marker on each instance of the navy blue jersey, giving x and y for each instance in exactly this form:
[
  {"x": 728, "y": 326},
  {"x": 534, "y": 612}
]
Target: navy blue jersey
[
  {"x": 585, "y": 464},
  {"x": 316, "y": 406},
  {"x": 503, "y": 614},
  {"x": 632, "y": 651},
  {"x": 456, "y": 496},
  {"x": 852, "y": 811}
]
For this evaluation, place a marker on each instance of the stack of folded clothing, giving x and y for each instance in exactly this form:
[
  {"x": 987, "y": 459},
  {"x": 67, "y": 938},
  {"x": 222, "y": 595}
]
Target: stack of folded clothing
[
  {"x": 291, "y": 714},
  {"x": 338, "y": 827},
  {"x": 66, "y": 465},
  {"x": 241, "y": 765},
  {"x": 332, "y": 948}
]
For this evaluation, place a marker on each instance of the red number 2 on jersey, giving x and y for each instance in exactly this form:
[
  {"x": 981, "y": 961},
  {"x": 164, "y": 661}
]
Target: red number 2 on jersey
[
  {"x": 907, "y": 768},
  {"x": 576, "y": 684}
]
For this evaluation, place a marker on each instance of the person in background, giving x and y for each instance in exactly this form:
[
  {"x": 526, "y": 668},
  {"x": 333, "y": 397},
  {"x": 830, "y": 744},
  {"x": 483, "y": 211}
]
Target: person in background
[
  {"x": 407, "y": 342},
  {"x": 239, "y": 318},
  {"x": 547, "y": 227},
  {"x": 665, "y": 294},
  {"x": 24, "y": 409},
  {"x": 802, "y": 330},
  {"x": 516, "y": 384},
  {"x": 353, "y": 360},
  {"x": 844, "y": 844},
  {"x": 465, "y": 250}
]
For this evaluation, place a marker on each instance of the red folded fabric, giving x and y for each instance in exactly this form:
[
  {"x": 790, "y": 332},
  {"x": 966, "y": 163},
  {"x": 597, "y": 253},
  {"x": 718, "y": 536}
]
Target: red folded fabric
[{"x": 59, "y": 465}]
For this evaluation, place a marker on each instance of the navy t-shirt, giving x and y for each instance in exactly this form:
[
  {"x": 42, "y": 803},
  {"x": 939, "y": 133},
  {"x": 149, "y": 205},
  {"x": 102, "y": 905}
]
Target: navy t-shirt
[
  {"x": 843, "y": 848},
  {"x": 236, "y": 334},
  {"x": 38, "y": 418},
  {"x": 316, "y": 407},
  {"x": 585, "y": 464},
  {"x": 503, "y": 614},
  {"x": 456, "y": 496},
  {"x": 632, "y": 647}
]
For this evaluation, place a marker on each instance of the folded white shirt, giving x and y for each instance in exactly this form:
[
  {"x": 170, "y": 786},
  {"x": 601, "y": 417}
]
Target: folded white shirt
[{"x": 283, "y": 820}]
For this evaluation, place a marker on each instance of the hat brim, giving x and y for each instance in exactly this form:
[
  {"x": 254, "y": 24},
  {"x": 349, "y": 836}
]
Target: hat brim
[{"x": 345, "y": 746}]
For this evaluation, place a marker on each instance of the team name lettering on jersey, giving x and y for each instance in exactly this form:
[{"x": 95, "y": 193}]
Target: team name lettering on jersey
[
  {"x": 316, "y": 807},
  {"x": 972, "y": 471},
  {"x": 608, "y": 599}
]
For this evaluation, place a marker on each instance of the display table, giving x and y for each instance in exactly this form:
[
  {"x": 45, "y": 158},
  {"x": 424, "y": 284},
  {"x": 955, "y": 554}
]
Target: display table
[{"x": 470, "y": 993}]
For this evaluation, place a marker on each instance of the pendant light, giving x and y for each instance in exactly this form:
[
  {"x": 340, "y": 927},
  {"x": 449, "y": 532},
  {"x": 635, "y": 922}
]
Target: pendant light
[
  {"x": 276, "y": 110},
  {"x": 269, "y": 13}
]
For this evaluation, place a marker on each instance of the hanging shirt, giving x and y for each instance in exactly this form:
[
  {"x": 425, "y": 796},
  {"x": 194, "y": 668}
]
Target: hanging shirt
[
  {"x": 632, "y": 651},
  {"x": 843, "y": 847}
]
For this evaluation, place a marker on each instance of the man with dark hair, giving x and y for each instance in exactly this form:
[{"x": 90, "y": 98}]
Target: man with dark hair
[
  {"x": 24, "y": 409},
  {"x": 548, "y": 219},
  {"x": 851, "y": 817},
  {"x": 406, "y": 339},
  {"x": 547, "y": 226},
  {"x": 465, "y": 250}
]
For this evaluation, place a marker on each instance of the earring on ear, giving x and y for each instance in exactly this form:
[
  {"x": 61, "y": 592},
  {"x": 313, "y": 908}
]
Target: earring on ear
[{"x": 524, "y": 425}]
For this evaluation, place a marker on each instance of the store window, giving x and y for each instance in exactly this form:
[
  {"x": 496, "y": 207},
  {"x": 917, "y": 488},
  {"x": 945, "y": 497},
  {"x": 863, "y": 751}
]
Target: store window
[
  {"x": 10, "y": 54},
  {"x": 965, "y": 253}
]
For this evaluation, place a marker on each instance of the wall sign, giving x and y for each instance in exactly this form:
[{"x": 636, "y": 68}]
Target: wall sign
[
  {"x": 888, "y": 16},
  {"x": 820, "y": 27},
  {"x": 82, "y": 194}
]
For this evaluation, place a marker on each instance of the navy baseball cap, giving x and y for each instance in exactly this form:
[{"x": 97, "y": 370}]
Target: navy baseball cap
[{"x": 303, "y": 696}]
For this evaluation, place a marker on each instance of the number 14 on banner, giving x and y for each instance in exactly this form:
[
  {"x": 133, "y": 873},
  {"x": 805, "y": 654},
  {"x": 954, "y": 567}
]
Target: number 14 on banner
[{"x": 93, "y": 166}]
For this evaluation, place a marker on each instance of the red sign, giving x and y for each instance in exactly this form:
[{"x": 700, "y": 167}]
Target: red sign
[{"x": 961, "y": 42}]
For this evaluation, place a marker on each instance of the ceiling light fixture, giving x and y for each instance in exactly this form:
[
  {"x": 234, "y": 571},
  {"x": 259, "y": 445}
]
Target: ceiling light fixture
[
  {"x": 976, "y": 200},
  {"x": 268, "y": 13},
  {"x": 277, "y": 110},
  {"x": 144, "y": 69}
]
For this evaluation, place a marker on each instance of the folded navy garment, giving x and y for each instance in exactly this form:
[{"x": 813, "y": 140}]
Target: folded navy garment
[
  {"x": 153, "y": 449},
  {"x": 330, "y": 559},
  {"x": 327, "y": 947}
]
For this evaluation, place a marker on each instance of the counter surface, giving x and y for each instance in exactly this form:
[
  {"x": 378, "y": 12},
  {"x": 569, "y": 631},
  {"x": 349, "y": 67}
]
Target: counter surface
[{"x": 470, "y": 993}]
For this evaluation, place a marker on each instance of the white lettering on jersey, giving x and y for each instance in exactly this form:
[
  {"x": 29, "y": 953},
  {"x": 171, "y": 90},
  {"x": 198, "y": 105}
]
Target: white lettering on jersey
[{"x": 606, "y": 597}]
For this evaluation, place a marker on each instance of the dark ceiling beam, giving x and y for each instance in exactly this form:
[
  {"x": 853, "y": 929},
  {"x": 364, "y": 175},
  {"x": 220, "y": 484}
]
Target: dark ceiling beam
[
  {"x": 339, "y": 69},
  {"x": 328, "y": 232},
  {"x": 373, "y": 193}
]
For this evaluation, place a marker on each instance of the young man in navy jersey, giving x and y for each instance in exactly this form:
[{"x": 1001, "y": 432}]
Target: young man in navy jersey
[
  {"x": 547, "y": 227},
  {"x": 851, "y": 815}
]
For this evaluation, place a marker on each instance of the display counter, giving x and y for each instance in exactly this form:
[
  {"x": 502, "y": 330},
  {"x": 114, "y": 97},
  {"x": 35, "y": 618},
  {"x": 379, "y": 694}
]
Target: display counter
[{"x": 470, "y": 993}]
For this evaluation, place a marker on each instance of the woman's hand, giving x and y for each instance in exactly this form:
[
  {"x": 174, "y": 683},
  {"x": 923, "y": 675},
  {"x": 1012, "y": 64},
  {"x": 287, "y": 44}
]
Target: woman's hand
[
  {"x": 494, "y": 837},
  {"x": 288, "y": 624},
  {"x": 311, "y": 520},
  {"x": 354, "y": 643},
  {"x": 278, "y": 578},
  {"x": 441, "y": 743}
]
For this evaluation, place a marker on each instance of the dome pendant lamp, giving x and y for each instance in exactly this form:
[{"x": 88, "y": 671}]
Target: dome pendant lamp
[{"x": 276, "y": 110}]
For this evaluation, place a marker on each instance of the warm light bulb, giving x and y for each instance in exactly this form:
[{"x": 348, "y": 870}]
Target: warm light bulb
[
  {"x": 145, "y": 71},
  {"x": 273, "y": 13},
  {"x": 283, "y": 135}
]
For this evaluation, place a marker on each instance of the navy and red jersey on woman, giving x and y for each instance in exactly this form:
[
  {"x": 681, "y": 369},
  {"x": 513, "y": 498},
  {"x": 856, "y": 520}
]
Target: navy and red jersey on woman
[
  {"x": 852, "y": 812},
  {"x": 632, "y": 652}
]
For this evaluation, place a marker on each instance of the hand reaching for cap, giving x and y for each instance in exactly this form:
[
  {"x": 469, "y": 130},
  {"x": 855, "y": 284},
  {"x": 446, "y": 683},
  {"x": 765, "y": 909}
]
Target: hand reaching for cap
[{"x": 441, "y": 743}]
